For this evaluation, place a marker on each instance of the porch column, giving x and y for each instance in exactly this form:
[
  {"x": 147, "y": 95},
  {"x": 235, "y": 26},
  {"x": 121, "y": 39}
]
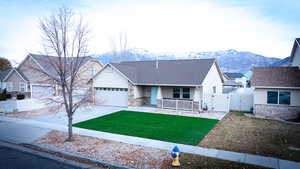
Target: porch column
[
  {"x": 159, "y": 97},
  {"x": 197, "y": 99}
]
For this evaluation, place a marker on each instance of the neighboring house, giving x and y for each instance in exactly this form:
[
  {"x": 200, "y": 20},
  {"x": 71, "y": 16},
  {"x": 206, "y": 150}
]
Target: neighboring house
[
  {"x": 295, "y": 55},
  {"x": 237, "y": 77},
  {"x": 276, "y": 91},
  {"x": 231, "y": 85},
  {"x": 13, "y": 81},
  {"x": 177, "y": 84},
  {"x": 39, "y": 85}
]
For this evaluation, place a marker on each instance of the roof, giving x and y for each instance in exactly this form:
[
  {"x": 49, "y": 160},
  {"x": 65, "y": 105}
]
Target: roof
[
  {"x": 169, "y": 72},
  {"x": 234, "y": 75},
  {"x": 276, "y": 76},
  {"x": 4, "y": 73},
  {"x": 45, "y": 61},
  {"x": 232, "y": 83},
  {"x": 295, "y": 46}
]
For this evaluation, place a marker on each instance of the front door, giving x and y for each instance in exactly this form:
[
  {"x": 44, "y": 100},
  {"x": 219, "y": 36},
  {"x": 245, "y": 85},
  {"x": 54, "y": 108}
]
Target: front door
[{"x": 153, "y": 100}]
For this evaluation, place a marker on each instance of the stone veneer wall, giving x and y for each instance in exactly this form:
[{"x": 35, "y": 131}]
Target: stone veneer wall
[
  {"x": 277, "y": 111},
  {"x": 134, "y": 102}
]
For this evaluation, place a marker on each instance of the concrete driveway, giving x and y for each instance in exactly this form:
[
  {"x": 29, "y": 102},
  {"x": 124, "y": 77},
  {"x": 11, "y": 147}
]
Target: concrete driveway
[{"x": 81, "y": 114}]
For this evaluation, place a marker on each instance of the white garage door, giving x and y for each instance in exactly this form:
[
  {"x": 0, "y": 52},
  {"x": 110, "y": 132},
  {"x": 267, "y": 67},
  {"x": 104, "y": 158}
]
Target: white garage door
[
  {"x": 39, "y": 91},
  {"x": 111, "y": 96}
]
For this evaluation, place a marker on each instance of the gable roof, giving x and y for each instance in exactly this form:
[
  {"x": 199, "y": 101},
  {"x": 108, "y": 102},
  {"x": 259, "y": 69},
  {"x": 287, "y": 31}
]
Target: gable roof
[
  {"x": 169, "y": 72},
  {"x": 234, "y": 75},
  {"x": 276, "y": 76},
  {"x": 4, "y": 73},
  {"x": 43, "y": 61},
  {"x": 295, "y": 46}
]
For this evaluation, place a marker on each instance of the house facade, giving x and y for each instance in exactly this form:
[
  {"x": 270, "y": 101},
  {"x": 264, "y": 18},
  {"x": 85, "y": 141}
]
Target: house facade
[
  {"x": 175, "y": 84},
  {"x": 277, "y": 91},
  {"x": 14, "y": 82},
  {"x": 36, "y": 84},
  {"x": 295, "y": 55}
]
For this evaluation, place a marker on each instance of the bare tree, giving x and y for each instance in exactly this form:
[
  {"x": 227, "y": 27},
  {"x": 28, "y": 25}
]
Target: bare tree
[
  {"x": 119, "y": 46},
  {"x": 65, "y": 37}
]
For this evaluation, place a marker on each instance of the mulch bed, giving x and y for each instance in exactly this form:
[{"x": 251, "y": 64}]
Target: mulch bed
[{"x": 239, "y": 133}]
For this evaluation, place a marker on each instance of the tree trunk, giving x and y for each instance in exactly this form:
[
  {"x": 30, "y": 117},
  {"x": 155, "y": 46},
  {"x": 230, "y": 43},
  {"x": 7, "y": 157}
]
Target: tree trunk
[{"x": 70, "y": 129}]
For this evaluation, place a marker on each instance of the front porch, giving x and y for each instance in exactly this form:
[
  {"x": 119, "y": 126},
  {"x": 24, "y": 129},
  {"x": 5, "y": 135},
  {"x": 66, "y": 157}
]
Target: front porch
[{"x": 166, "y": 97}]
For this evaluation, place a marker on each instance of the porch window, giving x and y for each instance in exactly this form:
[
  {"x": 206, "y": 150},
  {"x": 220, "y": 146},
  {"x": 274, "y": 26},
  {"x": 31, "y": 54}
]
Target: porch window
[
  {"x": 185, "y": 93},
  {"x": 176, "y": 93},
  {"x": 181, "y": 93}
]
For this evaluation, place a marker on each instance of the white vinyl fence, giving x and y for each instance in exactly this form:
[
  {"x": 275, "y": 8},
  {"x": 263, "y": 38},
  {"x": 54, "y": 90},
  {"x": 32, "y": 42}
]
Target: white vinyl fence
[
  {"x": 217, "y": 102},
  {"x": 242, "y": 99}
]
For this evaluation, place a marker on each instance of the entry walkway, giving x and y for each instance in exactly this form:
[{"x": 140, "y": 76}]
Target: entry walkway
[{"x": 264, "y": 161}]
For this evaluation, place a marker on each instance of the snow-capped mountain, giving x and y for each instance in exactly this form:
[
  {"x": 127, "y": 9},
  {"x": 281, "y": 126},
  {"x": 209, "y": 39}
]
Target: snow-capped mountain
[{"x": 229, "y": 60}]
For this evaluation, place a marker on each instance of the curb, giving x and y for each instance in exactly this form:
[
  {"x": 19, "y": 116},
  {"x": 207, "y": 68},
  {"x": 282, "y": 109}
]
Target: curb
[
  {"x": 46, "y": 156},
  {"x": 106, "y": 164}
]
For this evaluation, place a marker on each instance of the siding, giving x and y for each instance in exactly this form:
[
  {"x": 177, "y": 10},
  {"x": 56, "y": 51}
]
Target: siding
[
  {"x": 108, "y": 77},
  {"x": 260, "y": 96},
  {"x": 85, "y": 72},
  {"x": 28, "y": 69},
  {"x": 15, "y": 79},
  {"x": 212, "y": 79},
  {"x": 296, "y": 60}
]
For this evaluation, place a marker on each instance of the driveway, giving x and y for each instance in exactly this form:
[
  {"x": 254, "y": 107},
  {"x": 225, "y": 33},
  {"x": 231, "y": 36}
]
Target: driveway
[{"x": 81, "y": 114}]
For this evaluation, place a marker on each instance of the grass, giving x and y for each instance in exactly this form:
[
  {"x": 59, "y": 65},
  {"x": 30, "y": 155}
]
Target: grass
[
  {"x": 170, "y": 128},
  {"x": 239, "y": 133},
  {"x": 191, "y": 161}
]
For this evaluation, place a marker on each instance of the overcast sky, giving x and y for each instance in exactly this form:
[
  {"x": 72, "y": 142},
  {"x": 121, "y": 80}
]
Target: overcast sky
[{"x": 266, "y": 27}]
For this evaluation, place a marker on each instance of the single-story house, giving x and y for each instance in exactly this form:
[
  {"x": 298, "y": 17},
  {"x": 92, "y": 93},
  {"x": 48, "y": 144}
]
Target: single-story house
[
  {"x": 295, "y": 55},
  {"x": 13, "y": 81},
  {"x": 176, "y": 84},
  {"x": 237, "y": 77},
  {"x": 38, "y": 85},
  {"x": 276, "y": 91}
]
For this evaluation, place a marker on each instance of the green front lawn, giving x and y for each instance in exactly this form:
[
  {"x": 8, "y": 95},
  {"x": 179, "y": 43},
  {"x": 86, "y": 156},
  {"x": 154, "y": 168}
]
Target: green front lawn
[{"x": 171, "y": 128}]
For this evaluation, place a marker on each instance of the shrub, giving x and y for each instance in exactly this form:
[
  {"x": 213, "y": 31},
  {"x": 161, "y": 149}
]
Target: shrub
[
  {"x": 20, "y": 96},
  {"x": 2, "y": 97},
  {"x": 8, "y": 96}
]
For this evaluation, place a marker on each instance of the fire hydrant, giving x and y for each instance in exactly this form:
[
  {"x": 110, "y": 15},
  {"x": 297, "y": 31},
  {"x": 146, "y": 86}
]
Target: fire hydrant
[{"x": 175, "y": 154}]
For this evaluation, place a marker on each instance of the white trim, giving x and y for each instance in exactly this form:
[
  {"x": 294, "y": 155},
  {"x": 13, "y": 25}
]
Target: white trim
[
  {"x": 39, "y": 84},
  {"x": 179, "y": 85},
  {"x": 275, "y": 87}
]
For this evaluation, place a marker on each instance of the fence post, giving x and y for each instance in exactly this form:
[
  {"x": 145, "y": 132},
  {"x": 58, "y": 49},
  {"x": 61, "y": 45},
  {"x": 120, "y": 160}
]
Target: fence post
[{"x": 176, "y": 104}]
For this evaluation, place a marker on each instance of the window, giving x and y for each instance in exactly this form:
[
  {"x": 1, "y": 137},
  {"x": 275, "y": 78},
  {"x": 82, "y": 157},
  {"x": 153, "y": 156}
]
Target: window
[
  {"x": 185, "y": 93},
  {"x": 93, "y": 71},
  {"x": 214, "y": 89},
  {"x": 284, "y": 97},
  {"x": 272, "y": 97},
  {"x": 176, "y": 93},
  {"x": 23, "y": 87},
  {"x": 281, "y": 97},
  {"x": 9, "y": 86},
  {"x": 181, "y": 93}
]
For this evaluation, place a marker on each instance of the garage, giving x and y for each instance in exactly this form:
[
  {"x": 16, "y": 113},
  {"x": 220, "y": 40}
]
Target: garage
[
  {"x": 111, "y": 96},
  {"x": 41, "y": 91}
]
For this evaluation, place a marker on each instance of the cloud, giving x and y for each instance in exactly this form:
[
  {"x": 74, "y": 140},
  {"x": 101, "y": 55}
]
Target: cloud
[{"x": 160, "y": 27}]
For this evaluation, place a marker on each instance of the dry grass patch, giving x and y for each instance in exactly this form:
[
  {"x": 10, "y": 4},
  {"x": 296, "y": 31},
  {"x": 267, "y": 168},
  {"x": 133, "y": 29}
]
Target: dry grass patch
[{"x": 239, "y": 133}]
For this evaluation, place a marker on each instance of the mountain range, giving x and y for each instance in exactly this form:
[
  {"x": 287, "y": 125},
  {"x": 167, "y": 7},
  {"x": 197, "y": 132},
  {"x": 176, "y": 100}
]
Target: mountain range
[{"x": 228, "y": 60}]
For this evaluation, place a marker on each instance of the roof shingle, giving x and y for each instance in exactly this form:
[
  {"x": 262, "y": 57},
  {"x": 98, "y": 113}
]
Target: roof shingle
[
  {"x": 168, "y": 72},
  {"x": 276, "y": 76}
]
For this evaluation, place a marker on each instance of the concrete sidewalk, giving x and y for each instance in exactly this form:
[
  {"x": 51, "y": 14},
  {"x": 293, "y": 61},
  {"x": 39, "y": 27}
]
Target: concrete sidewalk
[{"x": 221, "y": 154}]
